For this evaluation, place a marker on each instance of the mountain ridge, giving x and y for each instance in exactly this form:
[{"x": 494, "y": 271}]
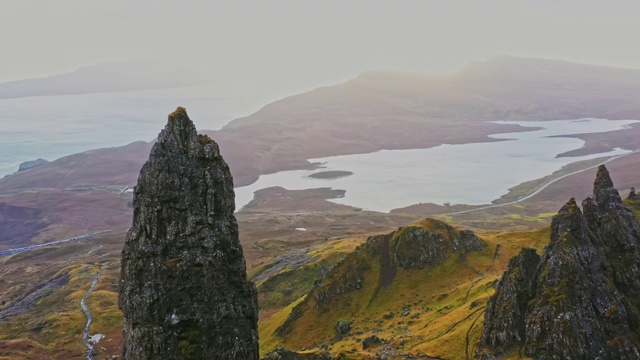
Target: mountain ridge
[{"x": 104, "y": 77}]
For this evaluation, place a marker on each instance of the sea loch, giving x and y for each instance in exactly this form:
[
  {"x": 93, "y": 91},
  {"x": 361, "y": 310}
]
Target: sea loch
[{"x": 471, "y": 174}]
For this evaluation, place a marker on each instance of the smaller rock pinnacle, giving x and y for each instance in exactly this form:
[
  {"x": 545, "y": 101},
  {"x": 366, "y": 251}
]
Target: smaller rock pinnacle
[{"x": 604, "y": 194}]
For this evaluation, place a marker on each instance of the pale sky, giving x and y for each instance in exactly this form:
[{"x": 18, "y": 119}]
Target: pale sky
[{"x": 299, "y": 44}]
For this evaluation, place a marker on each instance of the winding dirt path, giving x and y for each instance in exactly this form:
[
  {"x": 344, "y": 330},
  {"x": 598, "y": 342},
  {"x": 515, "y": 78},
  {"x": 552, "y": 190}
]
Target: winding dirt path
[
  {"x": 467, "y": 343},
  {"x": 85, "y": 310}
]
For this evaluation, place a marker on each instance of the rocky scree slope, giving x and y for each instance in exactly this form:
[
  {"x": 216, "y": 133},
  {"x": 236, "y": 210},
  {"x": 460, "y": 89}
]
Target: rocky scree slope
[
  {"x": 184, "y": 291},
  {"x": 581, "y": 298}
]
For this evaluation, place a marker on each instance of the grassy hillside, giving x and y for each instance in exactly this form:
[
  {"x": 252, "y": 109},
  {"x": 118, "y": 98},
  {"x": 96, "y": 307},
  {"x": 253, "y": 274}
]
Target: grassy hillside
[
  {"x": 40, "y": 293},
  {"x": 436, "y": 310},
  {"x": 51, "y": 321}
]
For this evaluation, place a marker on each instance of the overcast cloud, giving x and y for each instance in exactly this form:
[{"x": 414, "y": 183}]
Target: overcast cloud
[{"x": 303, "y": 44}]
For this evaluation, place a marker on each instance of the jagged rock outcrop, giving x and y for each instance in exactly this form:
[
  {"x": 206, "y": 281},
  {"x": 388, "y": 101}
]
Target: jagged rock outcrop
[
  {"x": 184, "y": 291},
  {"x": 583, "y": 299},
  {"x": 417, "y": 247},
  {"x": 410, "y": 247},
  {"x": 427, "y": 243},
  {"x": 343, "y": 327},
  {"x": 372, "y": 341},
  {"x": 513, "y": 292}
]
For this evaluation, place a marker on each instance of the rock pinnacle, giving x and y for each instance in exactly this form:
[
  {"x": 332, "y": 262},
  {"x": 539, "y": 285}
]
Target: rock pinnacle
[
  {"x": 183, "y": 289},
  {"x": 581, "y": 299}
]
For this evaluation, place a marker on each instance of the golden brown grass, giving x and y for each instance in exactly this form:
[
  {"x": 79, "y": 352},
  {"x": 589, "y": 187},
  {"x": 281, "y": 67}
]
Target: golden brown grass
[{"x": 436, "y": 311}]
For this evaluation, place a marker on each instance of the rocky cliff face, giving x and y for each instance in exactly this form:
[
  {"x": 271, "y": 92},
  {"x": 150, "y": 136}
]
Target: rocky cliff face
[
  {"x": 581, "y": 298},
  {"x": 417, "y": 247},
  {"x": 184, "y": 291}
]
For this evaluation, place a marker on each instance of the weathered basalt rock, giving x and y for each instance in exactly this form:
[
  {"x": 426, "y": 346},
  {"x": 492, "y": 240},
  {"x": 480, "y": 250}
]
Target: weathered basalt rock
[
  {"x": 512, "y": 293},
  {"x": 184, "y": 291},
  {"x": 415, "y": 247},
  {"x": 343, "y": 327},
  {"x": 372, "y": 341},
  {"x": 582, "y": 301}
]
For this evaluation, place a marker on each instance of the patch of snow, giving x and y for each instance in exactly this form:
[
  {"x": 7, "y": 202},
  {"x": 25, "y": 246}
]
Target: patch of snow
[
  {"x": 95, "y": 338},
  {"x": 301, "y": 229}
]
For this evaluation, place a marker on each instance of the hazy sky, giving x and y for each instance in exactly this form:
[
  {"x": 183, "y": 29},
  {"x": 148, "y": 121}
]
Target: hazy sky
[{"x": 297, "y": 44}]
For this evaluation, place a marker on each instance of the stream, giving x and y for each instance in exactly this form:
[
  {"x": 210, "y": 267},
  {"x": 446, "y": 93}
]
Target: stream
[{"x": 83, "y": 305}]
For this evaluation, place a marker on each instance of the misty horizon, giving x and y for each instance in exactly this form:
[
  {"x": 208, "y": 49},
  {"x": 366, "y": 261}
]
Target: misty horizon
[{"x": 288, "y": 47}]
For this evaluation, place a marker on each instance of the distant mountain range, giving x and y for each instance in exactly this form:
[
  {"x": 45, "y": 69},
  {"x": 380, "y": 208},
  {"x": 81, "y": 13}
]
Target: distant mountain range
[
  {"x": 386, "y": 110},
  {"x": 105, "y": 77}
]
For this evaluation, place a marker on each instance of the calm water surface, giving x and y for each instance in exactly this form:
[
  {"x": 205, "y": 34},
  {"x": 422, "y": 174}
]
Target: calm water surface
[
  {"x": 458, "y": 174},
  {"x": 54, "y": 126}
]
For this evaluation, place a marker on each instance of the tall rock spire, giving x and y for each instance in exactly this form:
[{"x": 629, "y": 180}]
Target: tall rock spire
[
  {"x": 604, "y": 194},
  {"x": 184, "y": 291},
  {"x": 583, "y": 299}
]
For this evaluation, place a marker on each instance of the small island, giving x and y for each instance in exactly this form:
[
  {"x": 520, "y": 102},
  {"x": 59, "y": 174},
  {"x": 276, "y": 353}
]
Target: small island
[{"x": 330, "y": 175}]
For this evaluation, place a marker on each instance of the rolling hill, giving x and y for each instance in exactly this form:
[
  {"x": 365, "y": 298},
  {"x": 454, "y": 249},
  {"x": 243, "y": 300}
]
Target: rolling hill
[{"x": 105, "y": 77}]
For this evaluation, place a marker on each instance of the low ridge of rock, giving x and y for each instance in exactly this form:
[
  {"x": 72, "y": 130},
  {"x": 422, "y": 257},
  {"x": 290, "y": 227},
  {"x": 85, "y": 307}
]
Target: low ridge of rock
[
  {"x": 582, "y": 301},
  {"x": 184, "y": 291},
  {"x": 31, "y": 164}
]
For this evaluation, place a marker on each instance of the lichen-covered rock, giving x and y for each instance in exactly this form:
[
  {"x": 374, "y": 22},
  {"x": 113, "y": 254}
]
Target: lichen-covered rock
[
  {"x": 632, "y": 194},
  {"x": 415, "y": 247},
  {"x": 582, "y": 300},
  {"x": 343, "y": 327},
  {"x": 184, "y": 291},
  {"x": 372, "y": 341},
  {"x": 513, "y": 291}
]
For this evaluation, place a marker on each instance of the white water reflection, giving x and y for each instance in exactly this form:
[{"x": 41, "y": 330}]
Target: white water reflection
[{"x": 459, "y": 174}]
